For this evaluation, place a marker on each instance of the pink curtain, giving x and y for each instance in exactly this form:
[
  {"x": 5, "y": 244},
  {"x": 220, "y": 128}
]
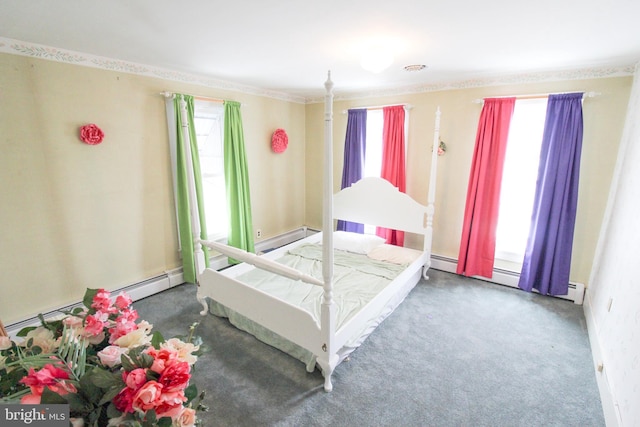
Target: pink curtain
[
  {"x": 393, "y": 161},
  {"x": 478, "y": 241}
]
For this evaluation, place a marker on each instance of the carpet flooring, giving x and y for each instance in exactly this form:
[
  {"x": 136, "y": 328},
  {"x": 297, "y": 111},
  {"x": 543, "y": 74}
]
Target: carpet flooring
[{"x": 457, "y": 352}]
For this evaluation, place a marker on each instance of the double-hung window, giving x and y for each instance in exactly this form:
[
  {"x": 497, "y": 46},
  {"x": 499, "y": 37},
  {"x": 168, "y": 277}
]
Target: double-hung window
[
  {"x": 519, "y": 180},
  {"x": 209, "y": 125}
]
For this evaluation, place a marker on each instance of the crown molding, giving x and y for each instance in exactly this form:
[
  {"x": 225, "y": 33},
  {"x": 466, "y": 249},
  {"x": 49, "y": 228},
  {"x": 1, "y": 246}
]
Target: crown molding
[
  {"x": 34, "y": 50},
  {"x": 496, "y": 80}
]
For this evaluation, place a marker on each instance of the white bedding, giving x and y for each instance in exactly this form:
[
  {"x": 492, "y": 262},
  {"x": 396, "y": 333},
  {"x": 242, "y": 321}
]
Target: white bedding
[{"x": 357, "y": 280}]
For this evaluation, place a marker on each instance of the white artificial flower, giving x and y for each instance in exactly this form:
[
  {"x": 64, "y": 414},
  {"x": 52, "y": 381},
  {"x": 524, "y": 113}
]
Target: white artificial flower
[
  {"x": 136, "y": 338},
  {"x": 183, "y": 349}
]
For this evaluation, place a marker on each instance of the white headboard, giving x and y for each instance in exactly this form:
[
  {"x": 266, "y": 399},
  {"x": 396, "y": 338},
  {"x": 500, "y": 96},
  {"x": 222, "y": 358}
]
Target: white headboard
[{"x": 375, "y": 201}]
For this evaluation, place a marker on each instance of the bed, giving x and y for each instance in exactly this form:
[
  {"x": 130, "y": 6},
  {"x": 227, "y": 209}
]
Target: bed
[{"x": 307, "y": 298}]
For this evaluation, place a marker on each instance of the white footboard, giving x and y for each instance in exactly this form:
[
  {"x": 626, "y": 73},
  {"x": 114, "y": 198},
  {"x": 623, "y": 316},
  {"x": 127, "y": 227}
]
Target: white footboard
[{"x": 288, "y": 321}]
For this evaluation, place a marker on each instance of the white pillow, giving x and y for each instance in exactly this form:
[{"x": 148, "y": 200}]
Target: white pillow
[
  {"x": 356, "y": 242},
  {"x": 394, "y": 254}
]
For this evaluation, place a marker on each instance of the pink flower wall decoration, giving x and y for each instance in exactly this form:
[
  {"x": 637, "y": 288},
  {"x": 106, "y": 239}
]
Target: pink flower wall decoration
[
  {"x": 91, "y": 134},
  {"x": 279, "y": 141}
]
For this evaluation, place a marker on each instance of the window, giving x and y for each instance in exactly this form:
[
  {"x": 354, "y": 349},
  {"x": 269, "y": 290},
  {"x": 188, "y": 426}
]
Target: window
[
  {"x": 519, "y": 179},
  {"x": 209, "y": 125},
  {"x": 373, "y": 154}
]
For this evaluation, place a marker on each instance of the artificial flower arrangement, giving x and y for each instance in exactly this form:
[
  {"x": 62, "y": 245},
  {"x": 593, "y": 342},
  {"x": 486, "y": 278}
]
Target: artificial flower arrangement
[{"x": 110, "y": 370}]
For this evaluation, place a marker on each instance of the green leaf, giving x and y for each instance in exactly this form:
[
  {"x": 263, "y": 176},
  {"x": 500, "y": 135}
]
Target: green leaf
[
  {"x": 24, "y": 331},
  {"x": 74, "y": 353},
  {"x": 165, "y": 422},
  {"x": 89, "y": 390},
  {"x": 77, "y": 403},
  {"x": 157, "y": 339},
  {"x": 127, "y": 364},
  {"x": 152, "y": 376},
  {"x": 49, "y": 396},
  {"x": 135, "y": 358},
  {"x": 88, "y": 297},
  {"x": 191, "y": 392},
  {"x": 104, "y": 379},
  {"x": 112, "y": 412},
  {"x": 109, "y": 395}
]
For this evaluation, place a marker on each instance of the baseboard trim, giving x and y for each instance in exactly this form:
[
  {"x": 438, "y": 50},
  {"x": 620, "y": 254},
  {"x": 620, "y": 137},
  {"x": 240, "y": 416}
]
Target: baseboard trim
[
  {"x": 136, "y": 291},
  {"x": 505, "y": 277},
  {"x": 218, "y": 262},
  {"x": 609, "y": 406},
  {"x": 162, "y": 282}
]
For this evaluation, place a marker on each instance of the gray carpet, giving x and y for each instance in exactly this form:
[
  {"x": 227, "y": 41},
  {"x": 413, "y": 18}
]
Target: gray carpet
[{"x": 457, "y": 352}]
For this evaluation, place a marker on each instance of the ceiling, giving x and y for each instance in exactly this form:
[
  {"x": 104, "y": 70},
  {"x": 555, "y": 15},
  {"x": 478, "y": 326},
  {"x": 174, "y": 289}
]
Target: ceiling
[{"x": 287, "y": 46}]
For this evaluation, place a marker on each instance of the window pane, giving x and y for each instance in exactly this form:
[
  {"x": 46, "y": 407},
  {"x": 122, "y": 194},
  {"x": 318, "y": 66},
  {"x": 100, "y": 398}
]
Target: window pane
[
  {"x": 208, "y": 122},
  {"x": 519, "y": 178},
  {"x": 373, "y": 151},
  {"x": 373, "y": 155}
]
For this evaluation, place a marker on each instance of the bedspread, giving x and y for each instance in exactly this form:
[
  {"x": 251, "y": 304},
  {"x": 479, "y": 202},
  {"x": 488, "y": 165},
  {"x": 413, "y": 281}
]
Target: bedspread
[{"x": 357, "y": 279}]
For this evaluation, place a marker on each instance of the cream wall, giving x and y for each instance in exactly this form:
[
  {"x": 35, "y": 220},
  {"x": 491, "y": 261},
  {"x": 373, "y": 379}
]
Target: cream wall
[
  {"x": 75, "y": 216},
  {"x": 603, "y": 121},
  {"x": 612, "y": 305}
]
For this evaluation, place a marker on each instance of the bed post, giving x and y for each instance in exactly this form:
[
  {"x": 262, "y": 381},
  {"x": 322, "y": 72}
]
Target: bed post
[
  {"x": 428, "y": 236},
  {"x": 328, "y": 359},
  {"x": 198, "y": 253}
]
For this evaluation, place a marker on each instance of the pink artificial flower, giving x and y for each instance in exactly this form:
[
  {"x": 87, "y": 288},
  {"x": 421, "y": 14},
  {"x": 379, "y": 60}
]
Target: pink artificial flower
[
  {"x": 111, "y": 355},
  {"x": 121, "y": 328},
  {"x": 135, "y": 379},
  {"x": 124, "y": 400},
  {"x": 186, "y": 418},
  {"x": 129, "y": 314},
  {"x": 123, "y": 301},
  {"x": 147, "y": 397},
  {"x": 72, "y": 321},
  {"x": 31, "y": 398},
  {"x": 91, "y": 134},
  {"x": 184, "y": 349},
  {"x": 175, "y": 376},
  {"x": 161, "y": 358},
  {"x": 170, "y": 404},
  {"x": 94, "y": 325},
  {"x": 102, "y": 302},
  {"x": 46, "y": 376},
  {"x": 49, "y": 376}
]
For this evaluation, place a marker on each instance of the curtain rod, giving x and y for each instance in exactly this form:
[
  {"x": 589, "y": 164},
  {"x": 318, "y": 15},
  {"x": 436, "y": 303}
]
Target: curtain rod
[
  {"x": 167, "y": 94},
  {"x": 379, "y": 107},
  {"x": 536, "y": 96}
]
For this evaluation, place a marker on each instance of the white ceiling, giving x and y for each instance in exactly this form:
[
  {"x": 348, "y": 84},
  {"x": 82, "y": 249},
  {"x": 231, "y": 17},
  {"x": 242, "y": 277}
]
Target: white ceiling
[{"x": 288, "y": 45}]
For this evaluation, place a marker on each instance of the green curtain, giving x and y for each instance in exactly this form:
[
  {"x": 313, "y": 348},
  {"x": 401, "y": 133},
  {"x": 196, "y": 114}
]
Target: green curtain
[
  {"x": 237, "y": 180},
  {"x": 184, "y": 217}
]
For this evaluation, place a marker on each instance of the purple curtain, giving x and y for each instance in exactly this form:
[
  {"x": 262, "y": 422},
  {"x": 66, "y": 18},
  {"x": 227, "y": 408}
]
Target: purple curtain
[
  {"x": 354, "y": 153},
  {"x": 547, "y": 258}
]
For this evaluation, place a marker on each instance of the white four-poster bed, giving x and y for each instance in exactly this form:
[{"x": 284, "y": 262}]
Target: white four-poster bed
[{"x": 315, "y": 318}]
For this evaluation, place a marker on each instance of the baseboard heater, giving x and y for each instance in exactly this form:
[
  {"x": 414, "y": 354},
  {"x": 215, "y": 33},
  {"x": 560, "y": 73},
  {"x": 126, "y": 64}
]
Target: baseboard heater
[
  {"x": 162, "y": 282},
  {"x": 136, "y": 291},
  {"x": 505, "y": 277}
]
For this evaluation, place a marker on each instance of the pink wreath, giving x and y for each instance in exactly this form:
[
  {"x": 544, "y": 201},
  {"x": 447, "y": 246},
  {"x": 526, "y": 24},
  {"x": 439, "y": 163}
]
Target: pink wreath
[
  {"x": 91, "y": 134},
  {"x": 279, "y": 141}
]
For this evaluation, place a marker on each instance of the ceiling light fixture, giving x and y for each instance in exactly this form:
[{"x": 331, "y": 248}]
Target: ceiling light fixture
[
  {"x": 376, "y": 59},
  {"x": 415, "y": 67}
]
